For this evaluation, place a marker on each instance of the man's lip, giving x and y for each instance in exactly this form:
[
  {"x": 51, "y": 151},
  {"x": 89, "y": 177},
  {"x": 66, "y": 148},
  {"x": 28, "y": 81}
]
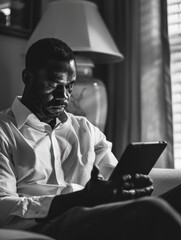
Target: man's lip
[{"x": 58, "y": 106}]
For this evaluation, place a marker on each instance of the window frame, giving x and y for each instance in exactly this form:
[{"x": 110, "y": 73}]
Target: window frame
[{"x": 174, "y": 35}]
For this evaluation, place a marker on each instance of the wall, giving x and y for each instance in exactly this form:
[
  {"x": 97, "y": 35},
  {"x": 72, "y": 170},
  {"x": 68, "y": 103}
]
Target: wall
[{"x": 11, "y": 65}]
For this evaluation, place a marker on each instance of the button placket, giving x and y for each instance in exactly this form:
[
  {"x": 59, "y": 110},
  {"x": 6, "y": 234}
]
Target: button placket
[{"x": 57, "y": 161}]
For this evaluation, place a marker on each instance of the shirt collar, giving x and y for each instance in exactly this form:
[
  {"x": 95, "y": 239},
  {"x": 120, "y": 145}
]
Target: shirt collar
[{"x": 20, "y": 111}]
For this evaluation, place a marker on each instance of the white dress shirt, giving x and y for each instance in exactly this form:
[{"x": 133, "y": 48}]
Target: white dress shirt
[{"x": 37, "y": 163}]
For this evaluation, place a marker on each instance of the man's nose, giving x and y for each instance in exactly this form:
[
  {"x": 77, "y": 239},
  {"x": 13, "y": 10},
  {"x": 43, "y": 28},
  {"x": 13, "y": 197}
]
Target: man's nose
[{"x": 60, "y": 92}]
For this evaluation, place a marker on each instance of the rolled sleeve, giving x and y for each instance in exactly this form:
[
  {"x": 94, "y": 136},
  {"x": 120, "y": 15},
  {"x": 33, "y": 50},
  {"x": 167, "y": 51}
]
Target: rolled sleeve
[
  {"x": 105, "y": 158},
  {"x": 20, "y": 212}
]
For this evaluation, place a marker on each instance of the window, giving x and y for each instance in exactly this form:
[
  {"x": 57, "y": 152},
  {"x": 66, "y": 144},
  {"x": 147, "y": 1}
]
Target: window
[{"x": 174, "y": 31}]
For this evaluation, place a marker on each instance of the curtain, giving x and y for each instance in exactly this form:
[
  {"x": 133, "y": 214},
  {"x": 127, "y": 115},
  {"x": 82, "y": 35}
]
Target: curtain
[
  {"x": 155, "y": 77},
  {"x": 139, "y": 88}
]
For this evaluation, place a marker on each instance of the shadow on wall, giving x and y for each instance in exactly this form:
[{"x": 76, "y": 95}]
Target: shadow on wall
[{"x": 11, "y": 66}]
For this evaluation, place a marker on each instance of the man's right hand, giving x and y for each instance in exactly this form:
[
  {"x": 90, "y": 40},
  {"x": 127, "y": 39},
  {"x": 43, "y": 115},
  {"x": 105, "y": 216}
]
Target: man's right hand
[{"x": 99, "y": 191}]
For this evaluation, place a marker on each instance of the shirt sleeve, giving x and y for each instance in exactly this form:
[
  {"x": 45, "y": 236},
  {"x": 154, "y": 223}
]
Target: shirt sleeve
[
  {"x": 104, "y": 157},
  {"x": 16, "y": 211}
]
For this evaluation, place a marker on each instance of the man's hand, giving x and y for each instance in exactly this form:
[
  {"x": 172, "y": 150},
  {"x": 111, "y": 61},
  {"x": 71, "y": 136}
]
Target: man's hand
[
  {"x": 135, "y": 186},
  {"x": 99, "y": 191}
]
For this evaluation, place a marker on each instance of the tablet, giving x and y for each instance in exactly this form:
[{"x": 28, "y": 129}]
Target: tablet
[{"x": 138, "y": 157}]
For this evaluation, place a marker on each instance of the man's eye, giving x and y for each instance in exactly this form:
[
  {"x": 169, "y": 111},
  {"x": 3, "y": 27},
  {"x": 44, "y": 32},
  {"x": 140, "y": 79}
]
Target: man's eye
[
  {"x": 70, "y": 86},
  {"x": 49, "y": 87}
]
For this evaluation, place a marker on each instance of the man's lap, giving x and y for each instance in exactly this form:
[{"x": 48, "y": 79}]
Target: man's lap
[{"x": 129, "y": 218}]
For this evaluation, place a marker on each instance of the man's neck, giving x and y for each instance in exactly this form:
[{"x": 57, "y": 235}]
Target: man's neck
[{"x": 52, "y": 123}]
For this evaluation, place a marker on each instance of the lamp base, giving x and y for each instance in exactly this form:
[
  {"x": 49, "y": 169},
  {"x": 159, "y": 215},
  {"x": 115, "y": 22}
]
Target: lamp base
[{"x": 89, "y": 99}]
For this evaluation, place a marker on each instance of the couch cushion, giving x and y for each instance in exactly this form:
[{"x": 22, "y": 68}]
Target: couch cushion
[
  {"x": 8, "y": 234},
  {"x": 164, "y": 179}
]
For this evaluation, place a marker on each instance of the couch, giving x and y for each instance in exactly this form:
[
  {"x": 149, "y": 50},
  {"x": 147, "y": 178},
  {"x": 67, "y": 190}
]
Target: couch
[
  {"x": 163, "y": 180},
  {"x": 8, "y": 234}
]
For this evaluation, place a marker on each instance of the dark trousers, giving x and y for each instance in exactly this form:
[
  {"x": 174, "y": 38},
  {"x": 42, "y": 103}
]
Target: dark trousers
[
  {"x": 144, "y": 218},
  {"x": 173, "y": 197}
]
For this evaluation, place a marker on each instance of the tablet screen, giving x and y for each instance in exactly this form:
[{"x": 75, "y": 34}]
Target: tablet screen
[{"x": 138, "y": 157}]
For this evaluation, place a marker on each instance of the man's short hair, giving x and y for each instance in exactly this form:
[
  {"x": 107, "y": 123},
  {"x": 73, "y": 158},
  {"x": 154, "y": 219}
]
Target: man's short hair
[{"x": 45, "y": 49}]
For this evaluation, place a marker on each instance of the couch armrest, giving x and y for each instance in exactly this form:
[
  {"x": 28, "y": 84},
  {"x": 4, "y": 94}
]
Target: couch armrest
[
  {"x": 164, "y": 179},
  {"x": 12, "y": 234}
]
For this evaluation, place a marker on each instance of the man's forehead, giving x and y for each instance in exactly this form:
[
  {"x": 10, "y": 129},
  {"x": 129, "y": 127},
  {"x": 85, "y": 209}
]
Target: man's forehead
[
  {"x": 60, "y": 65},
  {"x": 58, "y": 74},
  {"x": 62, "y": 76}
]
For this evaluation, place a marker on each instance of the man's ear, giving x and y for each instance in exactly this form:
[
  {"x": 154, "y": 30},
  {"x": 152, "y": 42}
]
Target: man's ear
[{"x": 26, "y": 76}]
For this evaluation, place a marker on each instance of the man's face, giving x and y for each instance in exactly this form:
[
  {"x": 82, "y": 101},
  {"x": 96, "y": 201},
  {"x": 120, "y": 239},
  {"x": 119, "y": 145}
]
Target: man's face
[{"x": 51, "y": 88}]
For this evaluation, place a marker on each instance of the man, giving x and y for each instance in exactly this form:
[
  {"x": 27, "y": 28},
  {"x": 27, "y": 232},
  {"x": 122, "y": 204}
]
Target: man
[{"x": 54, "y": 166}]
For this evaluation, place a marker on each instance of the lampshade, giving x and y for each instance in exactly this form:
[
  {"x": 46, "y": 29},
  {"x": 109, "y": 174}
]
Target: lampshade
[{"x": 79, "y": 24}]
